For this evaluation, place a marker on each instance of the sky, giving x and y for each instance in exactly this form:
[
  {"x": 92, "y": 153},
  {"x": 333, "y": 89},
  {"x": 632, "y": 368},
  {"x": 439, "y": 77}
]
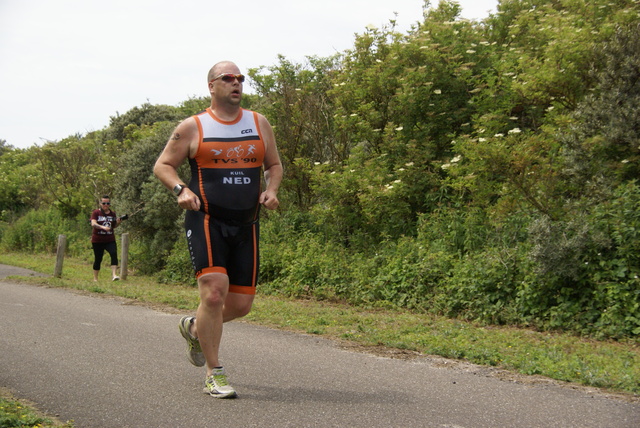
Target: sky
[{"x": 68, "y": 66}]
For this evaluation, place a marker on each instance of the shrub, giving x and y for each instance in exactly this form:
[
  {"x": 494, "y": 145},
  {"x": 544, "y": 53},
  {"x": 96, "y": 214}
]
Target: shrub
[
  {"x": 586, "y": 275},
  {"x": 38, "y": 231},
  {"x": 178, "y": 268},
  {"x": 483, "y": 286}
]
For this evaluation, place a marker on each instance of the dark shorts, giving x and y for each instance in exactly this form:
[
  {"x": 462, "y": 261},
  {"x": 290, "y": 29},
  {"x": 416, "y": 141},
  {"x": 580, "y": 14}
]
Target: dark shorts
[
  {"x": 219, "y": 246},
  {"x": 98, "y": 252}
]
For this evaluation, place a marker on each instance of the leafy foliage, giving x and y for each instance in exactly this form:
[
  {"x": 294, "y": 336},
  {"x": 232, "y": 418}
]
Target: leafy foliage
[{"x": 481, "y": 170}]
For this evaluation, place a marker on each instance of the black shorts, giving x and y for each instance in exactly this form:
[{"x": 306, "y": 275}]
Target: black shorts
[
  {"x": 98, "y": 252},
  {"x": 220, "y": 246}
]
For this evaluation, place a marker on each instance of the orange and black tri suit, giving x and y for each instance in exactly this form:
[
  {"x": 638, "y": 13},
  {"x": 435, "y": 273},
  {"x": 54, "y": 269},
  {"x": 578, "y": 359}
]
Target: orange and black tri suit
[{"x": 226, "y": 174}]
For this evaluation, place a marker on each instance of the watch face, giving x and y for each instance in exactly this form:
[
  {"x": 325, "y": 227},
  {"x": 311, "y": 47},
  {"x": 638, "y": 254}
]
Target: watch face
[{"x": 178, "y": 189}]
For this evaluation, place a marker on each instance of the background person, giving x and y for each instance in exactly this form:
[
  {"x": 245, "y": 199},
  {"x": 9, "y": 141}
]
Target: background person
[
  {"x": 229, "y": 149},
  {"x": 103, "y": 222}
]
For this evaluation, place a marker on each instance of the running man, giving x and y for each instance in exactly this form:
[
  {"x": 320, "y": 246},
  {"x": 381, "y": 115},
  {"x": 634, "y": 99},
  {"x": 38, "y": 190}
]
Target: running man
[{"x": 223, "y": 201}]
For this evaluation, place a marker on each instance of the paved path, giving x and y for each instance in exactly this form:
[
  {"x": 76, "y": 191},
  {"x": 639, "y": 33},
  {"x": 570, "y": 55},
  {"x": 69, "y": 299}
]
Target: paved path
[{"x": 104, "y": 362}]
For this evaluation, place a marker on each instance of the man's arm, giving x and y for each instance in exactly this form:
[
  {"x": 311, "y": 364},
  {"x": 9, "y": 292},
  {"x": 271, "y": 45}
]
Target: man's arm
[
  {"x": 273, "y": 170},
  {"x": 181, "y": 144},
  {"x": 95, "y": 225}
]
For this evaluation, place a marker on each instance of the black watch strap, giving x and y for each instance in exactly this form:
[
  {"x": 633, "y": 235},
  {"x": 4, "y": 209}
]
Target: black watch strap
[{"x": 177, "y": 189}]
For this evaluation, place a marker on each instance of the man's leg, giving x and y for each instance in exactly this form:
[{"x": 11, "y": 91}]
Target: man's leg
[
  {"x": 213, "y": 292},
  {"x": 237, "y": 305},
  {"x": 113, "y": 252},
  {"x": 217, "y": 306},
  {"x": 98, "y": 252}
]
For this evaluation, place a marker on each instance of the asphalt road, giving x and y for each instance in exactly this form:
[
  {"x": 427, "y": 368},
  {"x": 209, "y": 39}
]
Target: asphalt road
[{"x": 104, "y": 362}]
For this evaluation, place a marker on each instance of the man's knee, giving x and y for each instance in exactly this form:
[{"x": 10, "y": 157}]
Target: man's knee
[
  {"x": 241, "y": 309},
  {"x": 213, "y": 290},
  {"x": 237, "y": 305}
]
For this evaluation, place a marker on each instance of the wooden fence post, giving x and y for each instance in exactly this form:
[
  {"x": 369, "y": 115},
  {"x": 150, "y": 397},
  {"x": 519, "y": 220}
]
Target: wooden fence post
[
  {"x": 125, "y": 256},
  {"x": 62, "y": 245}
]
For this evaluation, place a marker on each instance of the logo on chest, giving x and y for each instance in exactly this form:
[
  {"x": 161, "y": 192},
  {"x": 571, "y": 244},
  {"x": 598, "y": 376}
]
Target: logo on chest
[{"x": 236, "y": 154}]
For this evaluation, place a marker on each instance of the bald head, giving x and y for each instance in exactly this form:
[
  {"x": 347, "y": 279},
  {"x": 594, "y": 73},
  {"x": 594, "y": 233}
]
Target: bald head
[{"x": 219, "y": 68}]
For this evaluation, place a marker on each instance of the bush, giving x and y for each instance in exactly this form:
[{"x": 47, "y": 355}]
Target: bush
[
  {"x": 586, "y": 276},
  {"x": 178, "y": 268},
  {"x": 401, "y": 274},
  {"x": 483, "y": 286},
  {"x": 38, "y": 231},
  {"x": 309, "y": 268}
]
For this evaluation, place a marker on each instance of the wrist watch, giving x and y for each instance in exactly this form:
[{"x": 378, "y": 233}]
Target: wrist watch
[{"x": 177, "y": 189}]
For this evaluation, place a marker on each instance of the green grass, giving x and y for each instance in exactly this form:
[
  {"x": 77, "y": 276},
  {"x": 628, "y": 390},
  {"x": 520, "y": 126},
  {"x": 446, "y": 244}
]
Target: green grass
[
  {"x": 613, "y": 366},
  {"x": 14, "y": 413}
]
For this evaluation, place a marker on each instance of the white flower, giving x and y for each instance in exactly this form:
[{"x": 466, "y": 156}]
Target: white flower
[
  {"x": 408, "y": 164},
  {"x": 456, "y": 159},
  {"x": 515, "y": 131},
  {"x": 499, "y": 135},
  {"x": 470, "y": 51},
  {"x": 482, "y": 140},
  {"x": 399, "y": 128},
  {"x": 353, "y": 114},
  {"x": 437, "y": 91}
]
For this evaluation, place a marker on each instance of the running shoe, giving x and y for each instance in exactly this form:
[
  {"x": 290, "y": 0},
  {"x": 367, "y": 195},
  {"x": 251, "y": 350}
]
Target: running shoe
[
  {"x": 217, "y": 385},
  {"x": 194, "y": 351}
]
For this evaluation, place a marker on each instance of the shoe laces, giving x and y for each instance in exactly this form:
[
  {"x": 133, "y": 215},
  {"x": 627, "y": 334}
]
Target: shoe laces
[
  {"x": 193, "y": 344},
  {"x": 219, "y": 380}
]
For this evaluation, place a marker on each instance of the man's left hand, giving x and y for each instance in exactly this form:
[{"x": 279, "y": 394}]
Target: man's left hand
[{"x": 269, "y": 200}]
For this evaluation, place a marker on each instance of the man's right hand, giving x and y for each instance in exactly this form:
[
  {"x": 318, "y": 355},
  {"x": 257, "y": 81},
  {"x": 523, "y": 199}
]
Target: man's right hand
[{"x": 188, "y": 200}]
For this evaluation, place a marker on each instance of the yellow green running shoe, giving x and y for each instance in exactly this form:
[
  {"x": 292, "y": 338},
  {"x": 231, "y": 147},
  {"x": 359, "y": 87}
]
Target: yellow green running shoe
[
  {"x": 194, "y": 351},
  {"x": 217, "y": 385}
]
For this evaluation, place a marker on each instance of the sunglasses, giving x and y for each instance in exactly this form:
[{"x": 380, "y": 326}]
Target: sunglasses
[
  {"x": 105, "y": 203},
  {"x": 229, "y": 77}
]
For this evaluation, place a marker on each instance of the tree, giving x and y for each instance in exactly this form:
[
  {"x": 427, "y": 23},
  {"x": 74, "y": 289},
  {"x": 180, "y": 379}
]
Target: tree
[
  {"x": 65, "y": 174},
  {"x": 295, "y": 99},
  {"x": 604, "y": 143}
]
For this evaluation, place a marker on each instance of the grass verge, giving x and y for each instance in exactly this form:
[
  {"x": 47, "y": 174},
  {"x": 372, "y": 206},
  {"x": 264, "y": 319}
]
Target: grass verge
[
  {"x": 612, "y": 366},
  {"x": 18, "y": 413}
]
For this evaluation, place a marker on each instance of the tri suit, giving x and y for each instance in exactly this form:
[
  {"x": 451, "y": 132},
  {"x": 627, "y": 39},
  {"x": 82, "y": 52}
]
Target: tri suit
[{"x": 226, "y": 174}]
